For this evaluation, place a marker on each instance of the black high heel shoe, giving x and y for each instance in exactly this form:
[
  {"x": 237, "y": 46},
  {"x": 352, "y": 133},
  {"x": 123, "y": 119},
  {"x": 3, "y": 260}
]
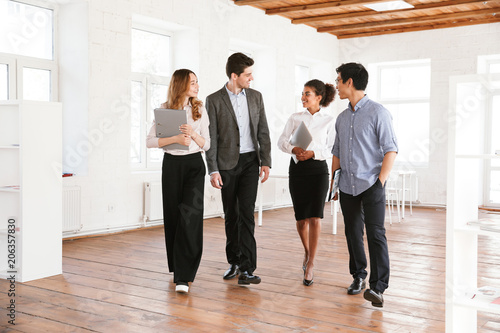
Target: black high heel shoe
[{"x": 307, "y": 282}]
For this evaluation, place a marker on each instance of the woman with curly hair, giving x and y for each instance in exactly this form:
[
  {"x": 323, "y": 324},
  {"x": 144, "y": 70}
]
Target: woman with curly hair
[{"x": 308, "y": 171}]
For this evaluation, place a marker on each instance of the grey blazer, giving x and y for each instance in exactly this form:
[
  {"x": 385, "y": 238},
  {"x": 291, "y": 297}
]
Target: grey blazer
[{"x": 224, "y": 134}]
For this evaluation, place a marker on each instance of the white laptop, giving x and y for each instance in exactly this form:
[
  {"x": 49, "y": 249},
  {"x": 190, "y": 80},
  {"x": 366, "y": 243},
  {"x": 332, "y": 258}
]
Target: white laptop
[{"x": 301, "y": 138}]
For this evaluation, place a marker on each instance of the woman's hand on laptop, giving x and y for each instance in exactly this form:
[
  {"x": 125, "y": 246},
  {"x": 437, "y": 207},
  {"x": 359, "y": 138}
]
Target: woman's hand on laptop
[
  {"x": 183, "y": 139},
  {"x": 186, "y": 129}
]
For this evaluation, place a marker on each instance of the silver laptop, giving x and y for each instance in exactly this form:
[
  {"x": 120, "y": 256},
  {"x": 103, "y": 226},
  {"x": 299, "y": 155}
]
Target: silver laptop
[
  {"x": 301, "y": 137},
  {"x": 167, "y": 123}
]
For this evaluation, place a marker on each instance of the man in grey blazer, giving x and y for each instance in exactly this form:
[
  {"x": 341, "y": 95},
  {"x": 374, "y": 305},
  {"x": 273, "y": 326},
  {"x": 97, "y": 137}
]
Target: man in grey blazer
[{"x": 239, "y": 145}]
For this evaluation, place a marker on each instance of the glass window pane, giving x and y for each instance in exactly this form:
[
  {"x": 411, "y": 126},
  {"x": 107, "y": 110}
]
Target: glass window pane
[
  {"x": 301, "y": 77},
  {"x": 36, "y": 84},
  {"x": 135, "y": 119},
  {"x": 405, "y": 82},
  {"x": 495, "y": 68},
  {"x": 4, "y": 82},
  {"x": 158, "y": 96},
  {"x": 495, "y": 187},
  {"x": 26, "y": 30},
  {"x": 495, "y": 125},
  {"x": 411, "y": 123},
  {"x": 150, "y": 53}
]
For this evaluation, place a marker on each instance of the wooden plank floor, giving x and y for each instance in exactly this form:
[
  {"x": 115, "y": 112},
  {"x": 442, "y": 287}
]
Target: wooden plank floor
[{"x": 120, "y": 283}]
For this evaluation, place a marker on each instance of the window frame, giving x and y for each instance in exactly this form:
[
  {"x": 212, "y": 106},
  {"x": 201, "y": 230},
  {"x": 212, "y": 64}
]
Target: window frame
[
  {"x": 484, "y": 63},
  {"x": 298, "y": 94},
  {"x": 388, "y": 102},
  {"x": 404, "y": 64},
  {"x": 484, "y": 67},
  {"x": 26, "y": 62},
  {"x": 17, "y": 62},
  {"x": 10, "y": 61},
  {"x": 146, "y": 118},
  {"x": 488, "y": 167}
]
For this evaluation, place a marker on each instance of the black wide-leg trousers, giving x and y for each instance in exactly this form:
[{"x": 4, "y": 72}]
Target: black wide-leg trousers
[
  {"x": 367, "y": 210},
  {"x": 239, "y": 191},
  {"x": 183, "y": 183}
]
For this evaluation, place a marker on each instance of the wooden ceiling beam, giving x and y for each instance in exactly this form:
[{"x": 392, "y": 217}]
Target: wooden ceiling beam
[
  {"x": 421, "y": 28},
  {"x": 417, "y": 20},
  {"x": 251, "y": 2},
  {"x": 324, "y": 5},
  {"x": 376, "y": 15}
]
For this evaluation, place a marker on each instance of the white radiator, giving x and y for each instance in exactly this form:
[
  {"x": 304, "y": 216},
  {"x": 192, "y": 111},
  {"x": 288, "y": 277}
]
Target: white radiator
[
  {"x": 71, "y": 209},
  {"x": 153, "y": 203}
]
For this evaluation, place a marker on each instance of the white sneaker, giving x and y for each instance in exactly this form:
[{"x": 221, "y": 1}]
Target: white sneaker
[{"x": 180, "y": 288}]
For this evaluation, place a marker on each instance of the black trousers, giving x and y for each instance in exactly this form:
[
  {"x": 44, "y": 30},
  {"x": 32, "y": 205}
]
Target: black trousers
[
  {"x": 183, "y": 184},
  {"x": 239, "y": 191},
  {"x": 367, "y": 210}
]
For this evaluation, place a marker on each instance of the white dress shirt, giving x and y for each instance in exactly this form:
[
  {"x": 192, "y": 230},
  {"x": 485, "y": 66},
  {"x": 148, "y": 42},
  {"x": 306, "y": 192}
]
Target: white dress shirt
[
  {"x": 200, "y": 126},
  {"x": 320, "y": 125},
  {"x": 240, "y": 107}
]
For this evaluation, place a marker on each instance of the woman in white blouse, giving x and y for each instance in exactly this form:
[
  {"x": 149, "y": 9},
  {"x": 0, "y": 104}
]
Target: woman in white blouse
[
  {"x": 308, "y": 177},
  {"x": 183, "y": 179}
]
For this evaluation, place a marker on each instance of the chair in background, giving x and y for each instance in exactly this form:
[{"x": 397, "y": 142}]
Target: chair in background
[
  {"x": 392, "y": 195},
  {"x": 409, "y": 186}
]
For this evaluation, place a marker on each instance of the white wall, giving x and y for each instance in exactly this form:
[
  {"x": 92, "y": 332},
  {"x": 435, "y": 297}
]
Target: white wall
[
  {"x": 452, "y": 52},
  {"x": 112, "y": 194}
]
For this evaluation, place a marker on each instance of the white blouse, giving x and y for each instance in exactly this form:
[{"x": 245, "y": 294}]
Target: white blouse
[
  {"x": 320, "y": 125},
  {"x": 200, "y": 126}
]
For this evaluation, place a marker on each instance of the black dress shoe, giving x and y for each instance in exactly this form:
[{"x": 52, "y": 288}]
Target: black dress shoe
[
  {"x": 231, "y": 272},
  {"x": 247, "y": 278},
  {"x": 375, "y": 297},
  {"x": 356, "y": 286}
]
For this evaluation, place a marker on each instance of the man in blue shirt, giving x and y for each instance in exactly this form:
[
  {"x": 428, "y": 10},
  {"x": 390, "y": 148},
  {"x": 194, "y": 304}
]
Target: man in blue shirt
[{"x": 365, "y": 149}]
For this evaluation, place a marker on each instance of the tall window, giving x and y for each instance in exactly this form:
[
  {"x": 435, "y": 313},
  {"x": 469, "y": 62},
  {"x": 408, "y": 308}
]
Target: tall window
[
  {"x": 150, "y": 78},
  {"x": 302, "y": 74},
  {"x": 4, "y": 82},
  {"x": 27, "y": 48},
  {"x": 491, "y": 65},
  {"x": 404, "y": 89},
  {"x": 493, "y": 167}
]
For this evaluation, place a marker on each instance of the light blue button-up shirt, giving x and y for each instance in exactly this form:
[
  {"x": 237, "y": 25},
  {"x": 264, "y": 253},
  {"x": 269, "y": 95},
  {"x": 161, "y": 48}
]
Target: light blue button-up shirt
[
  {"x": 364, "y": 135},
  {"x": 240, "y": 107}
]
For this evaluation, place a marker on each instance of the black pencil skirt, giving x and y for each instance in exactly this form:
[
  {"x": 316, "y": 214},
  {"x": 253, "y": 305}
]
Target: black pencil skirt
[{"x": 308, "y": 183}]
